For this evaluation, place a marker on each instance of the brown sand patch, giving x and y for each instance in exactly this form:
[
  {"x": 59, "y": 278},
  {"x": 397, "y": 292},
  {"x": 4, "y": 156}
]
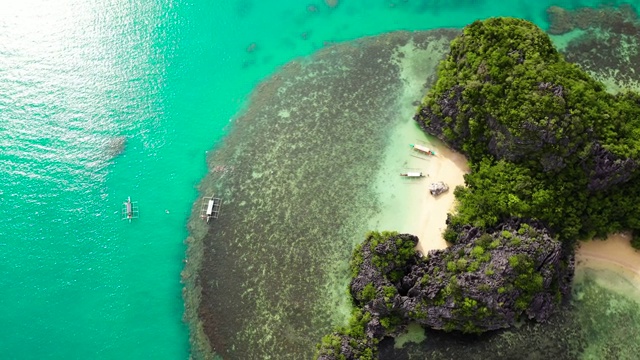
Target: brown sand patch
[{"x": 615, "y": 253}]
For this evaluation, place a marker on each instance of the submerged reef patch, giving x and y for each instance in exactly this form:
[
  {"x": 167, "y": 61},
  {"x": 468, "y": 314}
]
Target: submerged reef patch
[
  {"x": 266, "y": 279},
  {"x": 603, "y": 41}
]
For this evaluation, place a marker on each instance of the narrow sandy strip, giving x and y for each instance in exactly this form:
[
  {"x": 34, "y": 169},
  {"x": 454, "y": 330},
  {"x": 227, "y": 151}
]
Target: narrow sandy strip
[
  {"x": 615, "y": 253},
  {"x": 406, "y": 204}
]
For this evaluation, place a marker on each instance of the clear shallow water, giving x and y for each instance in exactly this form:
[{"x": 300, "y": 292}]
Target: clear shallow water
[{"x": 76, "y": 76}]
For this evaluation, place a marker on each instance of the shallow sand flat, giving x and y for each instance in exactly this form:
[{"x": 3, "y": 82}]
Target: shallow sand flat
[
  {"x": 613, "y": 254},
  {"x": 319, "y": 129},
  {"x": 405, "y": 204}
]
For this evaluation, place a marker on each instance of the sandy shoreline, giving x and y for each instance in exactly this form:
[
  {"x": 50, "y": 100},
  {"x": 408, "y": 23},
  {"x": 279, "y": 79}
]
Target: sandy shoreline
[
  {"x": 615, "y": 253},
  {"x": 406, "y": 204},
  {"x": 408, "y": 207}
]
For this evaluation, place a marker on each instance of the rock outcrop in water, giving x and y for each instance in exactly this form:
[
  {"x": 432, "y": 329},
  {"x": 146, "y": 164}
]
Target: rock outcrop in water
[
  {"x": 487, "y": 281},
  {"x": 115, "y": 146}
]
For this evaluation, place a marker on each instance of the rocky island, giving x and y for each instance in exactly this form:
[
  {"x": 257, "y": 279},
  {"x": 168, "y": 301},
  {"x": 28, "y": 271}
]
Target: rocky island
[{"x": 554, "y": 159}]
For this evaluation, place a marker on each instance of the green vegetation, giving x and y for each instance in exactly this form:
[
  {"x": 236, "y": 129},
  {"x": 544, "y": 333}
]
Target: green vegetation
[
  {"x": 553, "y": 157},
  {"x": 353, "y": 336},
  {"x": 522, "y": 283},
  {"x": 390, "y": 254},
  {"x": 387, "y": 261},
  {"x": 544, "y": 140}
]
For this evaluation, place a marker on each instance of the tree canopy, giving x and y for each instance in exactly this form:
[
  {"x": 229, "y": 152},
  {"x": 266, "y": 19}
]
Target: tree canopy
[{"x": 545, "y": 141}]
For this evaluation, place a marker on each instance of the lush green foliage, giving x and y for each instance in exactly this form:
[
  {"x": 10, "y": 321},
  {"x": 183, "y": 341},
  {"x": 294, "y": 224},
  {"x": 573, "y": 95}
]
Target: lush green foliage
[
  {"x": 545, "y": 141},
  {"x": 515, "y": 86},
  {"x": 524, "y": 282},
  {"x": 353, "y": 335},
  {"x": 390, "y": 253},
  {"x": 403, "y": 249}
]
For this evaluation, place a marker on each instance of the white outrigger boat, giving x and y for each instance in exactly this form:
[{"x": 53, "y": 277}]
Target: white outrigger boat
[
  {"x": 413, "y": 174},
  {"x": 422, "y": 149},
  {"x": 210, "y": 208},
  {"x": 130, "y": 210}
]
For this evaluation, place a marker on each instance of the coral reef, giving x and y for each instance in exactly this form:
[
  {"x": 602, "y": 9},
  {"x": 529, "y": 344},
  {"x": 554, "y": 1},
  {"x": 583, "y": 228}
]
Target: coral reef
[
  {"x": 268, "y": 276},
  {"x": 602, "y": 41},
  {"x": 115, "y": 146},
  {"x": 619, "y": 19}
]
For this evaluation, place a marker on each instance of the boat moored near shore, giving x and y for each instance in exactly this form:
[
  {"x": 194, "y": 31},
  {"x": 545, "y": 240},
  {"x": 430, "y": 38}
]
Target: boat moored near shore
[
  {"x": 422, "y": 149},
  {"x": 414, "y": 174}
]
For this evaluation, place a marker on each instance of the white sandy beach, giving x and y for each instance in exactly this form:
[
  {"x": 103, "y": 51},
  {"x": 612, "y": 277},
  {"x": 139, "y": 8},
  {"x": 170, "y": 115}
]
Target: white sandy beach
[{"x": 406, "y": 204}]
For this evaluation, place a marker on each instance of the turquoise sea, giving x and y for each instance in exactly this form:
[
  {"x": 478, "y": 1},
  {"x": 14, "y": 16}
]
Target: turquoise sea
[{"x": 102, "y": 100}]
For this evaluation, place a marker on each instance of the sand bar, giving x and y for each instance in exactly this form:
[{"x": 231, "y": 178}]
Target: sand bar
[
  {"x": 405, "y": 203},
  {"x": 615, "y": 253}
]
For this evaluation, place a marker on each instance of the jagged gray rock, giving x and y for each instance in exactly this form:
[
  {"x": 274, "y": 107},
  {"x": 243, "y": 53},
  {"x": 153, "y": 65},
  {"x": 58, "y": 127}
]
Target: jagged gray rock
[
  {"x": 486, "y": 281},
  {"x": 438, "y": 188}
]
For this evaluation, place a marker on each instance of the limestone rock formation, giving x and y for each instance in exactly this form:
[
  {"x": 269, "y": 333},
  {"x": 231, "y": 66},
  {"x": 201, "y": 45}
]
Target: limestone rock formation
[
  {"x": 486, "y": 281},
  {"x": 438, "y": 188}
]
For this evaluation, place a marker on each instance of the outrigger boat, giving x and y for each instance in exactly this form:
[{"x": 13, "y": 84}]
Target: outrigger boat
[
  {"x": 210, "y": 208},
  {"x": 422, "y": 149},
  {"x": 130, "y": 210},
  {"x": 413, "y": 174}
]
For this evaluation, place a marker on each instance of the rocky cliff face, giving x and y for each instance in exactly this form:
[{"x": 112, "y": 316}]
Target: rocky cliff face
[
  {"x": 605, "y": 169},
  {"x": 489, "y": 279},
  {"x": 486, "y": 281}
]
